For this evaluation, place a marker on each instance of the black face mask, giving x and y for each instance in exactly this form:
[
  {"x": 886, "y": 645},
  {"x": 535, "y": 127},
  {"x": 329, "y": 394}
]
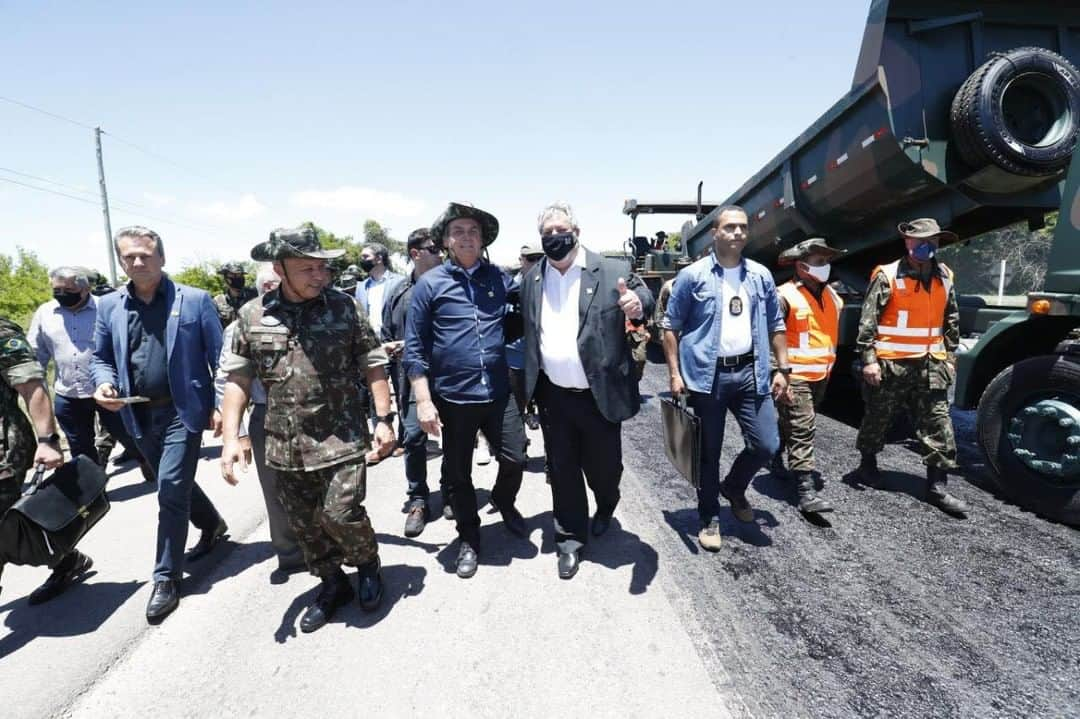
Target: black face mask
[
  {"x": 237, "y": 283},
  {"x": 367, "y": 265},
  {"x": 558, "y": 246},
  {"x": 67, "y": 299}
]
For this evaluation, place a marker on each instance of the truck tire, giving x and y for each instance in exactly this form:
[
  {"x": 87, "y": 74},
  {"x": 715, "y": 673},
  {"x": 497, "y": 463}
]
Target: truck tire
[
  {"x": 1020, "y": 111},
  {"x": 1042, "y": 383}
]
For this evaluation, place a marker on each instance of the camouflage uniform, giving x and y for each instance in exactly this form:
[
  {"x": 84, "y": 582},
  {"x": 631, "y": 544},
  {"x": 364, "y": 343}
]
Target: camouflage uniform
[
  {"x": 797, "y": 423},
  {"x": 309, "y": 357},
  {"x": 17, "y": 366},
  {"x": 228, "y": 306},
  {"x": 918, "y": 386},
  {"x": 637, "y": 339}
]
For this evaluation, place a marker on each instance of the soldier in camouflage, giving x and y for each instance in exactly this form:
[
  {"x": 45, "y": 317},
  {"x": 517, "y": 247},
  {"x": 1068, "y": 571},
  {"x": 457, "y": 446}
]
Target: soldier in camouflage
[
  {"x": 22, "y": 376},
  {"x": 908, "y": 335},
  {"x": 236, "y": 294},
  {"x": 308, "y": 344}
]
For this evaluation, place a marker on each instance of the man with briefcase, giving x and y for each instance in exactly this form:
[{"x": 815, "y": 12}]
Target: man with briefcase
[{"x": 22, "y": 376}]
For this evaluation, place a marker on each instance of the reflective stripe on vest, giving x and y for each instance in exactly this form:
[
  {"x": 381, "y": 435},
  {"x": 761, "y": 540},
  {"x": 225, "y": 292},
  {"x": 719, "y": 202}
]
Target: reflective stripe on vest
[
  {"x": 911, "y": 324},
  {"x": 812, "y": 330}
]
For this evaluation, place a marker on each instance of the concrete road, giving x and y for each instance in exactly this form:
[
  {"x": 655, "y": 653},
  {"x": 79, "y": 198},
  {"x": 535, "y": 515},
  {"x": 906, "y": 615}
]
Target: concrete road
[{"x": 513, "y": 640}]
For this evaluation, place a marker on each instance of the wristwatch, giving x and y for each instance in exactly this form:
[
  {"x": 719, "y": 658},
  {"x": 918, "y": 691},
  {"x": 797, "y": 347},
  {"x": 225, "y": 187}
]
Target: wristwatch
[
  {"x": 53, "y": 438},
  {"x": 784, "y": 370},
  {"x": 387, "y": 419}
]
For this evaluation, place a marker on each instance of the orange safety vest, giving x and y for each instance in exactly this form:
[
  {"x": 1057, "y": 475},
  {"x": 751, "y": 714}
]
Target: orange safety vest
[
  {"x": 813, "y": 330},
  {"x": 912, "y": 322}
]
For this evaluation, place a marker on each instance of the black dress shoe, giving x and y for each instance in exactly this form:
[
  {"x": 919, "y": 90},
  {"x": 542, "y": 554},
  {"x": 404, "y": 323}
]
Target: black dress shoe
[
  {"x": 369, "y": 585},
  {"x": 287, "y": 568},
  {"x": 334, "y": 593},
  {"x": 66, "y": 572},
  {"x": 466, "y": 561},
  {"x": 164, "y": 599},
  {"x": 601, "y": 523},
  {"x": 515, "y": 523},
  {"x": 208, "y": 541},
  {"x": 448, "y": 511},
  {"x": 568, "y": 564}
]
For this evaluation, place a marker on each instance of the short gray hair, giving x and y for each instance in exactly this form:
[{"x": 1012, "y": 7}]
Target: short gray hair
[
  {"x": 556, "y": 209},
  {"x": 79, "y": 274},
  {"x": 139, "y": 232},
  {"x": 265, "y": 272}
]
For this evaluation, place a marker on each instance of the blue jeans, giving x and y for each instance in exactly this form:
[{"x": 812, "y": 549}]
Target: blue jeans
[
  {"x": 76, "y": 418},
  {"x": 173, "y": 452},
  {"x": 734, "y": 389}
]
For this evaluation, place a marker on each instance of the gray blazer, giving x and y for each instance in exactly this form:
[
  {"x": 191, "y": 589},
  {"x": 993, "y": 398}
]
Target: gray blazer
[{"x": 602, "y": 344}]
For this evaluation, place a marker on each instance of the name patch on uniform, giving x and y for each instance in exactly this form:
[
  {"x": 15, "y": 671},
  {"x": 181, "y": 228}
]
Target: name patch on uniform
[
  {"x": 269, "y": 321},
  {"x": 15, "y": 344}
]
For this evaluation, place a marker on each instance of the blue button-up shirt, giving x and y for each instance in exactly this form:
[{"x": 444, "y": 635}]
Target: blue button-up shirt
[
  {"x": 66, "y": 337},
  {"x": 454, "y": 332},
  {"x": 694, "y": 311}
]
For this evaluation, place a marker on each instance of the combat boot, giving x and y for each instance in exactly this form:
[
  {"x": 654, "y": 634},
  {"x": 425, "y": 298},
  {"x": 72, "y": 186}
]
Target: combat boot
[
  {"x": 936, "y": 479},
  {"x": 808, "y": 499},
  {"x": 369, "y": 585},
  {"x": 868, "y": 472},
  {"x": 335, "y": 592}
]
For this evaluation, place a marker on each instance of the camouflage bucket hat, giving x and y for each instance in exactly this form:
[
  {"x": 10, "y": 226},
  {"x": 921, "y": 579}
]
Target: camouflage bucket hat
[
  {"x": 231, "y": 268},
  {"x": 489, "y": 226},
  {"x": 924, "y": 229},
  {"x": 532, "y": 249},
  {"x": 813, "y": 246},
  {"x": 300, "y": 242}
]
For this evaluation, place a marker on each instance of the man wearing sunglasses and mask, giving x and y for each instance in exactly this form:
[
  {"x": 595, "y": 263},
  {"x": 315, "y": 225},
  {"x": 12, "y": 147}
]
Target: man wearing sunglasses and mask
[
  {"x": 908, "y": 335},
  {"x": 236, "y": 293},
  {"x": 575, "y": 304}
]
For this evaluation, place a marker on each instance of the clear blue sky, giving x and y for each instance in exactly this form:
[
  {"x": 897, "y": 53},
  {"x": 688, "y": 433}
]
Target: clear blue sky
[{"x": 271, "y": 113}]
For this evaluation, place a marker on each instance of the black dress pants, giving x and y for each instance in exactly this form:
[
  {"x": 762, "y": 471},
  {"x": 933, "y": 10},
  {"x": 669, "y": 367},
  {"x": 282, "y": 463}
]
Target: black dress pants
[
  {"x": 579, "y": 440},
  {"x": 501, "y": 424}
]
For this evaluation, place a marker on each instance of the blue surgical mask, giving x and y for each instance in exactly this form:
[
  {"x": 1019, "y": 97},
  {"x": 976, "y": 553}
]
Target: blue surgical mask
[{"x": 923, "y": 252}]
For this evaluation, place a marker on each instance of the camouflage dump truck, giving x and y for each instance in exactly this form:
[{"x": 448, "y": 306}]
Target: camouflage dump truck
[{"x": 967, "y": 112}]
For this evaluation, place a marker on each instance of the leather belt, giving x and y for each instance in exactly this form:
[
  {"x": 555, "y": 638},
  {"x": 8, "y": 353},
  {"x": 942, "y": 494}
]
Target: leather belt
[{"x": 735, "y": 361}]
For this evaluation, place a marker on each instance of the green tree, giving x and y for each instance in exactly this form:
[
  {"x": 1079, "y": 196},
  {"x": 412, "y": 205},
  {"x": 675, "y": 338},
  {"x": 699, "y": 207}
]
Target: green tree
[
  {"x": 24, "y": 286},
  {"x": 330, "y": 241},
  {"x": 977, "y": 262},
  {"x": 374, "y": 232},
  {"x": 203, "y": 275}
]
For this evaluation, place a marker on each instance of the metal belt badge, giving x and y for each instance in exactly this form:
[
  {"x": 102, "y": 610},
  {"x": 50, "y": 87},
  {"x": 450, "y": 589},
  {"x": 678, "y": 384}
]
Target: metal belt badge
[{"x": 735, "y": 306}]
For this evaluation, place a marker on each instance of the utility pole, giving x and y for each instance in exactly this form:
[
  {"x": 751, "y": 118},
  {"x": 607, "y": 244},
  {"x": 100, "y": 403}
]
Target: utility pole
[{"x": 105, "y": 209}]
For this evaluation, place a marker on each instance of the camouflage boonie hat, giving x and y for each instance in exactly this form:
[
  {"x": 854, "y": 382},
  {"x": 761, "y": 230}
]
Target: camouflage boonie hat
[
  {"x": 530, "y": 249},
  {"x": 924, "y": 229},
  {"x": 813, "y": 246},
  {"x": 231, "y": 268},
  {"x": 299, "y": 242},
  {"x": 489, "y": 226}
]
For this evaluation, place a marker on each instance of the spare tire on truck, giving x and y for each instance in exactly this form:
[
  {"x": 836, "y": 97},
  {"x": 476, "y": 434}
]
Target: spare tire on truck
[
  {"x": 1019, "y": 111},
  {"x": 1028, "y": 425}
]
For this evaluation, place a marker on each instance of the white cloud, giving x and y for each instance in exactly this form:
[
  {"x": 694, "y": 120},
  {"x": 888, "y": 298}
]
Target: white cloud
[
  {"x": 364, "y": 200},
  {"x": 246, "y": 208},
  {"x": 157, "y": 200}
]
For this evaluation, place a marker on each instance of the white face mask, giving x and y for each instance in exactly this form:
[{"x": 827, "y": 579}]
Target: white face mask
[{"x": 821, "y": 274}]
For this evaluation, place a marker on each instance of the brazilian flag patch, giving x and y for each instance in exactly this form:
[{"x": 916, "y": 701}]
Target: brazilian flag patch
[{"x": 15, "y": 344}]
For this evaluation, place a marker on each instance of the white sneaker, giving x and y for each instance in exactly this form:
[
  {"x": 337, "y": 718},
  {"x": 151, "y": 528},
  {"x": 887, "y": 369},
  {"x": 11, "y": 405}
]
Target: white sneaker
[{"x": 483, "y": 452}]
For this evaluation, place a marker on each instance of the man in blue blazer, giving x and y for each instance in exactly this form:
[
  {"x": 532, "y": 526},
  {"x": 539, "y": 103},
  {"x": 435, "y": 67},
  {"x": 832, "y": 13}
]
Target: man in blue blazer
[{"x": 161, "y": 340}]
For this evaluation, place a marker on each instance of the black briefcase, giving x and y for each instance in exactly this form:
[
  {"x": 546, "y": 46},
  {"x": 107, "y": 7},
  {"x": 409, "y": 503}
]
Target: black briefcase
[
  {"x": 54, "y": 513},
  {"x": 682, "y": 438}
]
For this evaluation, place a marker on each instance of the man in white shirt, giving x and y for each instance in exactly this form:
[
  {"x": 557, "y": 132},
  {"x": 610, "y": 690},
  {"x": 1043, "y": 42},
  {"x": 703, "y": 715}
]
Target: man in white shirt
[
  {"x": 62, "y": 330},
  {"x": 575, "y": 306}
]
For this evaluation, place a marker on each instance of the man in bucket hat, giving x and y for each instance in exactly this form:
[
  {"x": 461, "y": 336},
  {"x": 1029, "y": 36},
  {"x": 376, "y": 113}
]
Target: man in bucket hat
[
  {"x": 811, "y": 312},
  {"x": 236, "y": 293},
  {"x": 308, "y": 344},
  {"x": 908, "y": 335},
  {"x": 455, "y": 359}
]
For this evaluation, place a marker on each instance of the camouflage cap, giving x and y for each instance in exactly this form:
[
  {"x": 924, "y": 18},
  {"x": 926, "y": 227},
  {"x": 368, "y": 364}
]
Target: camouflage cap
[
  {"x": 353, "y": 269},
  {"x": 530, "y": 249},
  {"x": 489, "y": 226},
  {"x": 231, "y": 268},
  {"x": 299, "y": 242},
  {"x": 813, "y": 246},
  {"x": 925, "y": 228}
]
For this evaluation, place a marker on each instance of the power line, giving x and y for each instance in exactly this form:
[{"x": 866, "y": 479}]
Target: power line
[
  {"x": 46, "y": 112},
  {"x": 130, "y": 212}
]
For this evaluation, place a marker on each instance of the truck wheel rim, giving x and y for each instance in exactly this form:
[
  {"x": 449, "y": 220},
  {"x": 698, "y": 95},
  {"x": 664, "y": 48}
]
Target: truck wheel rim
[
  {"x": 1045, "y": 436},
  {"x": 1036, "y": 110}
]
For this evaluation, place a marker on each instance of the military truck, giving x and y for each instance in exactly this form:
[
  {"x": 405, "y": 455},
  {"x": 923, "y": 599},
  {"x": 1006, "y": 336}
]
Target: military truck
[{"x": 967, "y": 112}]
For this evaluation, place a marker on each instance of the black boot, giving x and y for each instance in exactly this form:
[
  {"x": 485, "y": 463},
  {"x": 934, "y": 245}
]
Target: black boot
[
  {"x": 936, "y": 479},
  {"x": 808, "y": 499},
  {"x": 335, "y": 592},
  {"x": 369, "y": 585},
  {"x": 868, "y": 472}
]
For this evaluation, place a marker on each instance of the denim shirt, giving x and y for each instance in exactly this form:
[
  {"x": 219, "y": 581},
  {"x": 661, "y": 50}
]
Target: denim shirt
[
  {"x": 454, "y": 333},
  {"x": 693, "y": 311}
]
